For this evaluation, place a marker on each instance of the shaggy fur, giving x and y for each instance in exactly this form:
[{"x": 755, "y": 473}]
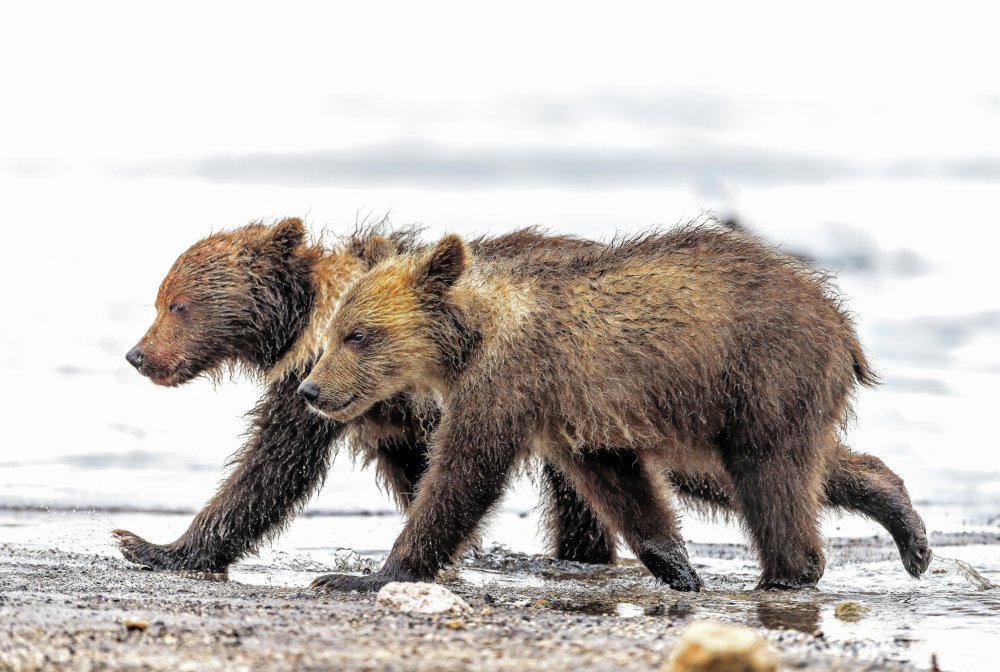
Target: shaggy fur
[
  {"x": 678, "y": 352},
  {"x": 259, "y": 299}
]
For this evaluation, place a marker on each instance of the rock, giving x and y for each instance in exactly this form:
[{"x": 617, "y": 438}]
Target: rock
[
  {"x": 421, "y": 598},
  {"x": 713, "y": 647},
  {"x": 455, "y": 624},
  {"x": 850, "y": 611},
  {"x": 136, "y": 625}
]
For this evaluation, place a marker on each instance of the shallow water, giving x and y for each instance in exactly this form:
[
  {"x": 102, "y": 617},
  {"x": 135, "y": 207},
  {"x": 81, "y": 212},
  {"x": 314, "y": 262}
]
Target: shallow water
[{"x": 951, "y": 612}]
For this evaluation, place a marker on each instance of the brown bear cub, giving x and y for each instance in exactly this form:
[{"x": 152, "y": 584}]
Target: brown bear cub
[
  {"x": 258, "y": 299},
  {"x": 671, "y": 351}
]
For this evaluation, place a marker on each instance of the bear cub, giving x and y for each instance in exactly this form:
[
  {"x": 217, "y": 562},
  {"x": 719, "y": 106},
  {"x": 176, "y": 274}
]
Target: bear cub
[{"x": 695, "y": 347}]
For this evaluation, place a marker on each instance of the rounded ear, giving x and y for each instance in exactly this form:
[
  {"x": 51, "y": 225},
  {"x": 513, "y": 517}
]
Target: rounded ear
[
  {"x": 289, "y": 233},
  {"x": 375, "y": 250},
  {"x": 444, "y": 264}
]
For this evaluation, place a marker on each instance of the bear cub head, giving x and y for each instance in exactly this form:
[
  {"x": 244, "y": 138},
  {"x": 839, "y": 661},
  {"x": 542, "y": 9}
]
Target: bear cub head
[
  {"x": 230, "y": 299},
  {"x": 392, "y": 330}
]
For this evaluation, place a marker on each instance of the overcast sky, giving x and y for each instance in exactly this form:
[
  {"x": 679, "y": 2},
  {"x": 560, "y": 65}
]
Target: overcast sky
[{"x": 762, "y": 93}]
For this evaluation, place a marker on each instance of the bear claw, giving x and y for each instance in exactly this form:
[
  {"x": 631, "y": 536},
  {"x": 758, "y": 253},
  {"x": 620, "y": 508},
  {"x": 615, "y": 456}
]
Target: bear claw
[
  {"x": 153, "y": 556},
  {"x": 347, "y": 582},
  {"x": 134, "y": 548},
  {"x": 916, "y": 552}
]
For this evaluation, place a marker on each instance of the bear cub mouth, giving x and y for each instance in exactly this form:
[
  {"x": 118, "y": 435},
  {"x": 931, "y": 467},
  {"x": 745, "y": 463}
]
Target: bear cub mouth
[{"x": 329, "y": 410}]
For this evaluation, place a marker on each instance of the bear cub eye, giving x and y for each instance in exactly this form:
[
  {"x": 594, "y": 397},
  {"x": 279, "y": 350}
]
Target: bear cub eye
[
  {"x": 356, "y": 337},
  {"x": 179, "y": 308}
]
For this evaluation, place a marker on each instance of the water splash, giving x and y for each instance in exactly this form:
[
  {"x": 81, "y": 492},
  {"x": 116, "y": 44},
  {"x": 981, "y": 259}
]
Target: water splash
[{"x": 968, "y": 572}]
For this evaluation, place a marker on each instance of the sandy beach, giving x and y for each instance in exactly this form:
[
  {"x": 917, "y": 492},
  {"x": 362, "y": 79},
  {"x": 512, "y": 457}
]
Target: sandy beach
[{"x": 62, "y": 610}]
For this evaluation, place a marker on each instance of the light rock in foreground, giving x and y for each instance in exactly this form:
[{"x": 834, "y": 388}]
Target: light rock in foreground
[
  {"x": 849, "y": 610},
  {"x": 714, "y": 647},
  {"x": 421, "y": 598}
]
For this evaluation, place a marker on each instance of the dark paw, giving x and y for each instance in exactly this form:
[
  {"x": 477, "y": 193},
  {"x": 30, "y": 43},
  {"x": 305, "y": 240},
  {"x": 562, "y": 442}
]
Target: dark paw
[
  {"x": 689, "y": 582},
  {"x": 784, "y": 584},
  {"x": 370, "y": 583},
  {"x": 915, "y": 551},
  {"x": 138, "y": 550},
  {"x": 174, "y": 557},
  {"x": 668, "y": 561},
  {"x": 348, "y": 582},
  {"x": 808, "y": 580}
]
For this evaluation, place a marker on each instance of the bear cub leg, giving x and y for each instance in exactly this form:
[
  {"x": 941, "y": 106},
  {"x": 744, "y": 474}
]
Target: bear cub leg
[
  {"x": 472, "y": 461},
  {"x": 631, "y": 498},
  {"x": 862, "y": 483},
  {"x": 575, "y": 531},
  {"x": 777, "y": 492}
]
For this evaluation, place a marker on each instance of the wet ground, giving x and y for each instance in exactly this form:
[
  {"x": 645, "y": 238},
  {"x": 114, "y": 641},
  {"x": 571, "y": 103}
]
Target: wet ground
[{"x": 61, "y": 609}]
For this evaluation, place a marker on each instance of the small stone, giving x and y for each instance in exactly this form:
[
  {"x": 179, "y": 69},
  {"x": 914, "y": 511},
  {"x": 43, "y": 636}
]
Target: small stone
[
  {"x": 713, "y": 647},
  {"x": 421, "y": 598},
  {"x": 136, "y": 625},
  {"x": 486, "y": 611},
  {"x": 455, "y": 624},
  {"x": 850, "y": 611}
]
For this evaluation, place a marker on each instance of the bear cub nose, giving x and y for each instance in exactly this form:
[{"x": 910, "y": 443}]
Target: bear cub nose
[
  {"x": 309, "y": 390},
  {"x": 134, "y": 357}
]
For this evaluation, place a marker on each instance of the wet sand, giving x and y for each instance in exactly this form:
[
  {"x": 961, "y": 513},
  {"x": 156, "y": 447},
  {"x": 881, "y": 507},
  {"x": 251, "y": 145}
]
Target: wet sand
[{"x": 62, "y": 610}]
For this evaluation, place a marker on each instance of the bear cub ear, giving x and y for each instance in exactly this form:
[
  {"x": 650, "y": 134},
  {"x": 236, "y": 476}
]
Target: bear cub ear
[
  {"x": 444, "y": 264},
  {"x": 375, "y": 250},
  {"x": 289, "y": 233}
]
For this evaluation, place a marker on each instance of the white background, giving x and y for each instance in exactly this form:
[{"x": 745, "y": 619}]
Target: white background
[{"x": 866, "y": 134}]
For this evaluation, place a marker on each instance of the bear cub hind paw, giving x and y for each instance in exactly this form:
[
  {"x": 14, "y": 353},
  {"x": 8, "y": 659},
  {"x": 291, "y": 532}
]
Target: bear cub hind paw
[{"x": 348, "y": 582}]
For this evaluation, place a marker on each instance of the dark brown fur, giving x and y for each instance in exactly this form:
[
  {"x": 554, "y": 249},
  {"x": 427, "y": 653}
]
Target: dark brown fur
[{"x": 678, "y": 351}]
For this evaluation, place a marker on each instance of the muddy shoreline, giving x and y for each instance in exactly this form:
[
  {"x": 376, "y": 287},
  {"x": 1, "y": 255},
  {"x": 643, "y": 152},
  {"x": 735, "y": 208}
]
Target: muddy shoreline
[{"x": 63, "y": 610}]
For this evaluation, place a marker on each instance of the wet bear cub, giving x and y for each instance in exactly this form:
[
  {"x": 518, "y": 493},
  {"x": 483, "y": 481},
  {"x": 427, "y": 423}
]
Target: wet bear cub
[
  {"x": 699, "y": 346},
  {"x": 258, "y": 299}
]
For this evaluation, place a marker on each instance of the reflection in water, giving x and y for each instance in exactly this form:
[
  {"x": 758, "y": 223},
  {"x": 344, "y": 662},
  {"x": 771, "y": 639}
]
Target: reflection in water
[
  {"x": 801, "y": 616},
  {"x": 588, "y": 608},
  {"x": 620, "y": 609},
  {"x": 680, "y": 609},
  {"x": 204, "y": 576}
]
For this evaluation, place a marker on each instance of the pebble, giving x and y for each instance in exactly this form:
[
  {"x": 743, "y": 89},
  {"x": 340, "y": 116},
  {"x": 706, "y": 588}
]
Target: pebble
[
  {"x": 136, "y": 625},
  {"x": 421, "y": 598},
  {"x": 707, "y": 646},
  {"x": 850, "y": 610}
]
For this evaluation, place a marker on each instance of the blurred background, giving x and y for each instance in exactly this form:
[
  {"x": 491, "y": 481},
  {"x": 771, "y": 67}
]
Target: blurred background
[{"x": 865, "y": 135}]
